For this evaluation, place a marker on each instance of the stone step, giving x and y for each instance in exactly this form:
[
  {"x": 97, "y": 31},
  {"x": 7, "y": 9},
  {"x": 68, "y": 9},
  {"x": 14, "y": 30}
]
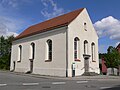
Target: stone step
[{"x": 89, "y": 74}]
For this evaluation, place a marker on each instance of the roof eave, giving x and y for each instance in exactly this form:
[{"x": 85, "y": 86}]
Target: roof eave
[{"x": 44, "y": 30}]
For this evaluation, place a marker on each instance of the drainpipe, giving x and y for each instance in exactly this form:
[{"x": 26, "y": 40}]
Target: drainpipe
[{"x": 67, "y": 51}]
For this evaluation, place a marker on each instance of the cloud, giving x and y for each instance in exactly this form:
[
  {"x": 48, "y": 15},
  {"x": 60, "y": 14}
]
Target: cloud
[
  {"x": 8, "y": 3},
  {"x": 108, "y": 26},
  {"x": 51, "y": 9},
  {"x": 13, "y": 3},
  {"x": 102, "y": 48},
  {"x": 9, "y": 22},
  {"x": 117, "y": 44},
  {"x": 10, "y": 26},
  {"x": 9, "y": 14}
]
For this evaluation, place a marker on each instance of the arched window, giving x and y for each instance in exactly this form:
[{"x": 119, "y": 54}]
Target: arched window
[
  {"x": 32, "y": 50},
  {"x": 19, "y": 53},
  {"x": 76, "y": 40},
  {"x": 85, "y": 47},
  {"x": 93, "y": 51},
  {"x": 49, "y": 49}
]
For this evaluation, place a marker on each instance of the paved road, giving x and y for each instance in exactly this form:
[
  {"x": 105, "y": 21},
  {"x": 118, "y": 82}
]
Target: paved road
[{"x": 11, "y": 81}]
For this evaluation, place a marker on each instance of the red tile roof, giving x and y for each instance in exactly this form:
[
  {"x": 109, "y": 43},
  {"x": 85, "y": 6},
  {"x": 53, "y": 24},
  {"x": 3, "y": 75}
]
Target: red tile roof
[
  {"x": 118, "y": 46},
  {"x": 50, "y": 24}
]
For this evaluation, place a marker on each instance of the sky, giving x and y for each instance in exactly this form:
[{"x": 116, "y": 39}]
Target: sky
[{"x": 17, "y": 15}]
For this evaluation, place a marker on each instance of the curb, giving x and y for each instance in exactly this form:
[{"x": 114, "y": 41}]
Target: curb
[{"x": 99, "y": 77}]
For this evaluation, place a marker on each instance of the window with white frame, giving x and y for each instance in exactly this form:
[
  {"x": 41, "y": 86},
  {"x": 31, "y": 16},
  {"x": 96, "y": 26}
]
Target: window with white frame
[
  {"x": 76, "y": 45},
  {"x": 85, "y": 47},
  {"x": 49, "y": 49},
  {"x": 32, "y": 50},
  {"x": 19, "y": 53},
  {"x": 93, "y": 51}
]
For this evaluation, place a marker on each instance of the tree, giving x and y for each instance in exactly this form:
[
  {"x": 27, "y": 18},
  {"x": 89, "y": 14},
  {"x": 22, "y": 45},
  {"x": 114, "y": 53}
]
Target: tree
[
  {"x": 112, "y": 58},
  {"x": 5, "y": 51}
]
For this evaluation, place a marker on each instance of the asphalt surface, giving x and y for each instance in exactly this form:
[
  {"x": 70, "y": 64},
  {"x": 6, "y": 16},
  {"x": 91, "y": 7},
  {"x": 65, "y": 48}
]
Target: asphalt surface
[{"x": 17, "y": 81}]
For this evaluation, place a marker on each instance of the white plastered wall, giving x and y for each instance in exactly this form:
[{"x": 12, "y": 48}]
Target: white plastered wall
[
  {"x": 76, "y": 29},
  {"x": 57, "y": 67}
]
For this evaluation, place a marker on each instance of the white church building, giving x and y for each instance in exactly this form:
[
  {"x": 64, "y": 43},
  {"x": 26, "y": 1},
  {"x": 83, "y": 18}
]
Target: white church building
[{"x": 65, "y": 46}]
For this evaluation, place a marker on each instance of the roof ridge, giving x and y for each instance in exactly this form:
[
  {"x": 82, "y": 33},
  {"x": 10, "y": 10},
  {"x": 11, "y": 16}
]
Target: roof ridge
[
  {"x": 58, "y": 16},
  {"x": 118, "y": 45}
]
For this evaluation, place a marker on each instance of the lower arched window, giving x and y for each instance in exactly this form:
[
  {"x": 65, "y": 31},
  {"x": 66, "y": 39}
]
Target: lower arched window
[
  {"x": 49, "y": 49},
  {"x": 85, "y": 47},
  {"x": 93, "y": 51},
  {"x": 19, "y": 53},
  {"x": 32, "y": 50},
  {"x": 76, "y": 45}
]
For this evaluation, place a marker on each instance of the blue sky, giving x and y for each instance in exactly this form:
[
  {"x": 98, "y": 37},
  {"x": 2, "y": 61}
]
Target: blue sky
[{"x": 16, "y": 15}]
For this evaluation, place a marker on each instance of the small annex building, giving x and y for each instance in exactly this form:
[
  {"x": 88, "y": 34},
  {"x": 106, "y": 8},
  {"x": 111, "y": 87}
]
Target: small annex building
[{"x": 65, "y": 46}]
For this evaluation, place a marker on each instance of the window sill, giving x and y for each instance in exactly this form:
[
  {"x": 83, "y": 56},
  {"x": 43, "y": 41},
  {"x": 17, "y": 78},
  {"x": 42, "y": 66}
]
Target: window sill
[
  {"x": 18, "y": 61},
  {"x": 93, "y": 61},
  {"x": 31, "y": 60},
  {"x": 77, "y": 60},
  {"x": 48, "y": 60}
]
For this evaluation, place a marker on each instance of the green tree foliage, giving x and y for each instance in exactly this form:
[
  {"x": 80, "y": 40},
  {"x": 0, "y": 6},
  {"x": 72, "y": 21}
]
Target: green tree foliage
[
  {"x": 112, "y": 58},
  {"x": 5, "y": 51}
]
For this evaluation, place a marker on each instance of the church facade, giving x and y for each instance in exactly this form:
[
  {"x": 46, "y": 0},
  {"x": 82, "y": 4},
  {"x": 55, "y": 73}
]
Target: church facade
[{"x": 66, "y": 46}]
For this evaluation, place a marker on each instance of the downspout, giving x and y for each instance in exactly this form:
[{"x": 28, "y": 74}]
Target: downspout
[{"x": 67, "y": 51}]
